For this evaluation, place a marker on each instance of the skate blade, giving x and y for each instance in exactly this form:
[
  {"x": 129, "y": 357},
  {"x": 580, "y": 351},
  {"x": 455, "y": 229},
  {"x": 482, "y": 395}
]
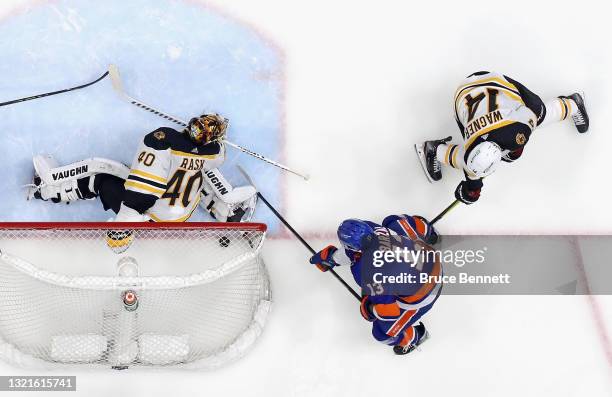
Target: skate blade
[{"x": 420, "y": 150}]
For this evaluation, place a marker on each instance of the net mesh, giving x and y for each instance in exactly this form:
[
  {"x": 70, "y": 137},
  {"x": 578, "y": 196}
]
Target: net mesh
[{"x": 152, "y": 295}]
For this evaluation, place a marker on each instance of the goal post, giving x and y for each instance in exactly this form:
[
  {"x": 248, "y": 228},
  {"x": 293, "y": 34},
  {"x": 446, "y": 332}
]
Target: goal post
[{"x": 193, "y": 295}]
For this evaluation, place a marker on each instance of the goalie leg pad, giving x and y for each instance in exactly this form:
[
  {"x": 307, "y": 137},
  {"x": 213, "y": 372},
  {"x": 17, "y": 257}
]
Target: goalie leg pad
[
  {"x": 70, "y": 182},
  {"x": 51, "y": 174}
]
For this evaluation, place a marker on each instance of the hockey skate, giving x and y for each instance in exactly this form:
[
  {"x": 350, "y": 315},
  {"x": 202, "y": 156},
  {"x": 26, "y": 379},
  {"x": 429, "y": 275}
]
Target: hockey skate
[
  {"x": 427, "y": 156},
  {"x": 581, "y": 118},
  {"x": 402, "y": 350}
]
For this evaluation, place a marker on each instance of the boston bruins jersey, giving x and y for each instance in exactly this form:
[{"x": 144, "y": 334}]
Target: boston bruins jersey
[
  {"x": 490, "y": 106},
  {"x": 166, "y": 175}
]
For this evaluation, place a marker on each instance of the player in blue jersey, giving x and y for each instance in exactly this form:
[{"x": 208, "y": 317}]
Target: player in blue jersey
[{"x": 394, "y": 318}]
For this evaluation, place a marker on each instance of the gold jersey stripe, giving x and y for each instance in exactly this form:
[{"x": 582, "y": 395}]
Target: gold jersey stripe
[
  {"x": 142, "y": 186},
  {"x": 471, "y": 140},
  {"x": 201, "y": 156},
  {"x": 487, "y": 80},
  {"x": 513, "y": 96},
  {"x": 149, "y": 176}
]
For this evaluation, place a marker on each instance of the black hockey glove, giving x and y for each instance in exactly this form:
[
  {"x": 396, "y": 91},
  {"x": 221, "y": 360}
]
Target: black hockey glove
[{"x": 466, "y": 195}]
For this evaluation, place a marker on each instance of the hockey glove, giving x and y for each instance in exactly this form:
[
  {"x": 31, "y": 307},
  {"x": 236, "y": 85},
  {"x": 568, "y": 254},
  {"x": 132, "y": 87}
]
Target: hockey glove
[
  {"x": 431, "y": 234},
  {"x": 513, "y": 155},
  {"x": 366, "y": 309},
  {"x": 465, "y": 195},
  {"x": 324, "y": 259}
]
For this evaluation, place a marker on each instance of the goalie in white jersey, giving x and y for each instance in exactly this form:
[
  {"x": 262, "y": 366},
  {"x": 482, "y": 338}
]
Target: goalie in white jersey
[
  {"x": 171, "y": 174},
  {"x": 496, "y": 116}
]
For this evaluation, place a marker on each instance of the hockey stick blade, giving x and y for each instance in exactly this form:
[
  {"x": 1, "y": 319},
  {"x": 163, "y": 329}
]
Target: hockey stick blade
[
  {"x": 113, "y": 72},
  {"x": 54, "y": 92}
]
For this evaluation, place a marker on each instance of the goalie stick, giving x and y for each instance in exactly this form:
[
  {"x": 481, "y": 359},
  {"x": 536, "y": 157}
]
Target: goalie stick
[
  {"x": 118, "y": 87},
  {"x": 296, "y": 234},
  {"x": 53, "y": 92}
]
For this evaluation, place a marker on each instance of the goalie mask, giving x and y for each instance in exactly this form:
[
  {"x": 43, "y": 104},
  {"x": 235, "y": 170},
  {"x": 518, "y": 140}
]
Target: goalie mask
[{"x": 207, "y": 128}]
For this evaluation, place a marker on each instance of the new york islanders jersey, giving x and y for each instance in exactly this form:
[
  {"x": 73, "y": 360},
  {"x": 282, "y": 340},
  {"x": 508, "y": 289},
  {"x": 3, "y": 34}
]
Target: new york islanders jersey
[
  {"x": 414, "y": 229},
  {"x": 167, "y": 172},
  {"x": 393, "y": 316},
  {"x": 489, "y": 106}
]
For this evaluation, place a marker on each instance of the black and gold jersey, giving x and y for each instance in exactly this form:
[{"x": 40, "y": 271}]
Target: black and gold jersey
[
  {"x": 491, "y": 106},
  {"x": 166, "y": 174}
]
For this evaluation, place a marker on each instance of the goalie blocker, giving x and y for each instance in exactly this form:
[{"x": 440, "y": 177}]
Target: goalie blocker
[{"x": 105, "y": 179}]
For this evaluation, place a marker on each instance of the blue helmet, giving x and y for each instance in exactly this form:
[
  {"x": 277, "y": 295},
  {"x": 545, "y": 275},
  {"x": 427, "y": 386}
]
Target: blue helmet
[{"x": 352, "y": 231}]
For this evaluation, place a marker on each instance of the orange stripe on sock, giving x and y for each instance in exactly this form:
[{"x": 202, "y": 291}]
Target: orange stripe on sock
[
  {"x": 401, "y": 322},
  {"x": 408, "y": 336}
]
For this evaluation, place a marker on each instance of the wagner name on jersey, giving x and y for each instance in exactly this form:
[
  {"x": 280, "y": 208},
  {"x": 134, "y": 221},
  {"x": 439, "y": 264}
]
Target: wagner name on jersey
[{"x": 167, "y": 171}]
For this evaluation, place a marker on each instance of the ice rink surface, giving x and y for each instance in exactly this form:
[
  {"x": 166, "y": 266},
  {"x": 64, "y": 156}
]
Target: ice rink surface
[{"x": 343, "y": 90}]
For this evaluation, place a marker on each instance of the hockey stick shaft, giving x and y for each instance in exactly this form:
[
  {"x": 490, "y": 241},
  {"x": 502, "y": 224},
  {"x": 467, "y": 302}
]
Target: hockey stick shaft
[
  {"x": 118, "y": 86},
  {"x": 297, "y": 235},
  {"x": 53, "y": 92},
  {"x": 444, "y": 212},
  {"x": 260, "y": 157}
]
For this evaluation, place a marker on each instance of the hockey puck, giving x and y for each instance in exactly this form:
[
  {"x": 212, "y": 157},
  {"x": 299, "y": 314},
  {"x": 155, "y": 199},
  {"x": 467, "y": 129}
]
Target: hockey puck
[{"x": 224, "y": 242}]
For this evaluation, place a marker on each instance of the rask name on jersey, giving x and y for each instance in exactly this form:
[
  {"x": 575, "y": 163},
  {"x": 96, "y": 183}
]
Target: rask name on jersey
[{"x": 191, "y": 164}]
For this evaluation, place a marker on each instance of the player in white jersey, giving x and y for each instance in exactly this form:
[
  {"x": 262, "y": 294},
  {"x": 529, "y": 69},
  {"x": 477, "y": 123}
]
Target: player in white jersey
[
  {"x": 171, "y": 174},
  {"x": 496, "y": 116}
]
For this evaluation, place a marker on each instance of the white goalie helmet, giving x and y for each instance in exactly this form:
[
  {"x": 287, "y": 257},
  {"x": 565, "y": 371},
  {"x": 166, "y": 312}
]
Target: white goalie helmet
[{"x": 484, "y": 159}]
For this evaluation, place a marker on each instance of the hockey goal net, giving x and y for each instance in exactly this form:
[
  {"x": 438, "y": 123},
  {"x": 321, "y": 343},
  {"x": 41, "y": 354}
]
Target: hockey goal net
[{"x": 132, "y": 294}]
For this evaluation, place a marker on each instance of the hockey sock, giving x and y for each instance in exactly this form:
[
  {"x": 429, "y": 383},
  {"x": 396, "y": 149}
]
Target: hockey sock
[
  {"x": 449, "y": 155},
  {"x": 558, "y": 109}
]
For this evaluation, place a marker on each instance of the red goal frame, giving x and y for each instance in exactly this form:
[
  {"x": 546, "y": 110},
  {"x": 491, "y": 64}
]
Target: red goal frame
[{"x": 259, "y": 227}]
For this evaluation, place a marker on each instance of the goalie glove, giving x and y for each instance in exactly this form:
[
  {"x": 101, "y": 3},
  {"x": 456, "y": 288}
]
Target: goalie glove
[{"x": 224, "y": 202}]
